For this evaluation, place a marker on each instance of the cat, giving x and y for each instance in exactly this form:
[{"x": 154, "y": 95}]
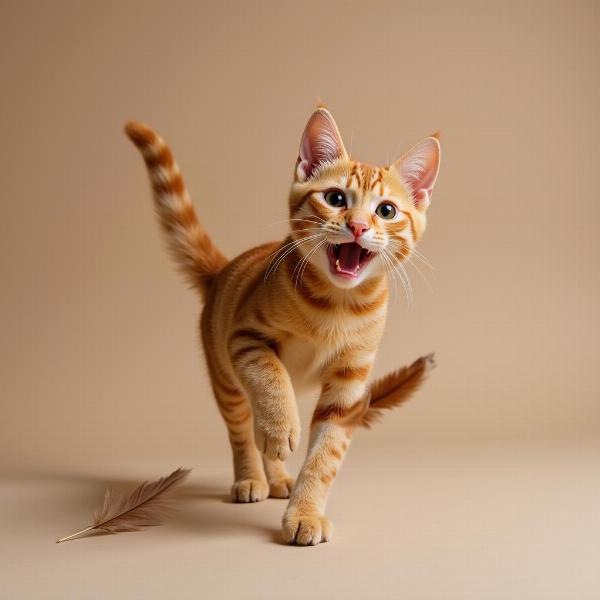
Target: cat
[{"x": 308, "y": 311}]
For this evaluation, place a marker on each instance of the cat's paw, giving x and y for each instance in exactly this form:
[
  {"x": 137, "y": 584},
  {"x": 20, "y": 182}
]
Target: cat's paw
[
  {"x": 306, "y": 529},
  {"x": 249, "y": 490},
  {"x": 277, "y": 443},
  {"x": 281, "y": 488}
]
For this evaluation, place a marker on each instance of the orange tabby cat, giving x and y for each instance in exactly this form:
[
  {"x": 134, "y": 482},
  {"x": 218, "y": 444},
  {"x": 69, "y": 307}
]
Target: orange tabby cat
[{"x": 308, "y": 311}]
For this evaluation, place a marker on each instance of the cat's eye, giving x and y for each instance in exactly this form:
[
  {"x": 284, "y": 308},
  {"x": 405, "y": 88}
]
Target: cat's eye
[
  {"x": 386, "y": 210},
  {"x": 335, "y": 198}
]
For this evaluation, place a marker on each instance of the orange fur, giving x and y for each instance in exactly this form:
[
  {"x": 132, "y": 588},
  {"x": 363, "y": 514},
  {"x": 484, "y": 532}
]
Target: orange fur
[
  {"x": 192, "y": 249},
  {"x": 305, "y": 312}
]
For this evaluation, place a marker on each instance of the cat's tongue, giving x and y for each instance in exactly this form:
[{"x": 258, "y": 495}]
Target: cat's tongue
[{"x": 349, "y": 257}]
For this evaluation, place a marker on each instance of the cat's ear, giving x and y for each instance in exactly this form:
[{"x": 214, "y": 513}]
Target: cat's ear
[
  {"x": 321, "y": 143},
  {"x": 419, "y": 169}
]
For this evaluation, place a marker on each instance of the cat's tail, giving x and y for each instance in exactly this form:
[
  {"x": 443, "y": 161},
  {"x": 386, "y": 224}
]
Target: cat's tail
[
  {"x": 194, "y": 252},
  {"x": 395, "y": 389}
]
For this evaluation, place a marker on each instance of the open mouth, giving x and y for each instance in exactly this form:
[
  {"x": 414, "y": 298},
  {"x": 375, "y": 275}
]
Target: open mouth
[{"x": 347, "y": 260}]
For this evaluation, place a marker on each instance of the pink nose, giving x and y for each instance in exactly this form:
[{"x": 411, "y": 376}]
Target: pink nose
[{"x": 358, "y": 228}]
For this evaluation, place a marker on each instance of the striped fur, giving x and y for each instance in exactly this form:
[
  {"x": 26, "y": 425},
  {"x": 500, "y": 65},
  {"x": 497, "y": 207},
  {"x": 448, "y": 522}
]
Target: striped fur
[
  {"x": 192, "y": 249},
  {"x": 279, "y": 319}
]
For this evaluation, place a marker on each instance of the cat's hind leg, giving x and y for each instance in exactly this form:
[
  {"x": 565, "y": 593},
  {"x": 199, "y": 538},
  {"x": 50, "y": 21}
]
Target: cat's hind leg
[{"x": 250, "y": 483}]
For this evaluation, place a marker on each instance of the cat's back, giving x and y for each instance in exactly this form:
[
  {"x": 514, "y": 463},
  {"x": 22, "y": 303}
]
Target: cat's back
[
  {"x": 235, "y": 285},
  {"x": 246, "y": 266}
]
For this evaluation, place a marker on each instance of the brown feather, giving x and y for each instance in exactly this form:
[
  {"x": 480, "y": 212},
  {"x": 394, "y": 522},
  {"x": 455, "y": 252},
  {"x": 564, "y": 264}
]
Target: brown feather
[
  {"x": 395, "y": 388},
  {"x": 149, "y": 504}
]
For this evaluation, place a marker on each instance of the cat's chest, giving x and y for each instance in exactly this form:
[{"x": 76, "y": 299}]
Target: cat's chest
[{"x": 303, "y": 360}]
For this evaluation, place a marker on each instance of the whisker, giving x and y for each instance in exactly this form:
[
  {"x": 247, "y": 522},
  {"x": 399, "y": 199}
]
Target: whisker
[
  {"x": 414, "y": 252},
  {"x": 412, "y": 264},
  {"x": 409, "y": 285},
  {"x": 422, "y": 258},
  {"x": 396, "y": 246},
  {"x": 304, "y": 262},
  {"x": 394, "y": 272},
  {"x": 299, "y": 263},
  {"x": 281, "y": 248},
  {"x": 284, "y": 251},
  {"x": 290, "y": 246},
  {"x": 311, "y": 219},
  {"x": 403, "y": 277},
  {"x": 308, "y": 229},
  {"x": 314, "y": 219},
  {"x": 389, "y": 274}
]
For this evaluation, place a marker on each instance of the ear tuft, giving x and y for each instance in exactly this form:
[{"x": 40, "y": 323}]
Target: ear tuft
[
  {"x": 419, "y": 169},
  {"x": 321, "y": 143}
]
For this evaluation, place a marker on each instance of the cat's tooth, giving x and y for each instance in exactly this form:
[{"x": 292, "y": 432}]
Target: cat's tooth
[{"x": 337, "y": 265}]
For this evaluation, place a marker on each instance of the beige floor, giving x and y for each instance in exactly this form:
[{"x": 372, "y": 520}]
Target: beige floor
[
  {"x": 437, "y": 523},
  {"x": 99, "y": 359}
]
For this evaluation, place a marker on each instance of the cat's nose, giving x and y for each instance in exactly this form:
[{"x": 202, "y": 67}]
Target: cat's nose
[{"x": 358, "y": 228}]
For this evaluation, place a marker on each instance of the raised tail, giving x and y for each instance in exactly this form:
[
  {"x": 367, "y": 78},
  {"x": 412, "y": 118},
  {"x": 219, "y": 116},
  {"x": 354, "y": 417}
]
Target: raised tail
[
  {"x": 395, "y": 389},
  {"x": 191, "y": 247}
]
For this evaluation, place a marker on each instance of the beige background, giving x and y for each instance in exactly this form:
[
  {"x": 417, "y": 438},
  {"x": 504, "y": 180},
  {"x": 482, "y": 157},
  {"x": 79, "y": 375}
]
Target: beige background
[{"x": 487, "y": 484}]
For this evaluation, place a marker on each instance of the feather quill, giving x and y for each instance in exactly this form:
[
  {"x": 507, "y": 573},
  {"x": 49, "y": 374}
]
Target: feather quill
[{"x": 149, "y": 504}]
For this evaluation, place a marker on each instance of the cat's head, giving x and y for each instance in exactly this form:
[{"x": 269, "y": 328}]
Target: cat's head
[{"x": 353, "y": 220}]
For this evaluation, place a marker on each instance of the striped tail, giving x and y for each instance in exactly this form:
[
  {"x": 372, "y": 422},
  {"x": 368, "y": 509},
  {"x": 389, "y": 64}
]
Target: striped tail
[
  {"x": 197, "y": 257},
  {"x": 395, "y": 389}
]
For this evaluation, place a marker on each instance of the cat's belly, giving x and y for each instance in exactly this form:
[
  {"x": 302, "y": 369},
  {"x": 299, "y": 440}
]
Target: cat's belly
[{"x": 303, "y": 362}]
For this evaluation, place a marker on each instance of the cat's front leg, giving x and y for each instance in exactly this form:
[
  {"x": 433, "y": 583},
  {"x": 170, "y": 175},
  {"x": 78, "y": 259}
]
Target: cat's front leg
[
  {"x": 339, "y": 408},
  {"x": 268, "y": 385}
]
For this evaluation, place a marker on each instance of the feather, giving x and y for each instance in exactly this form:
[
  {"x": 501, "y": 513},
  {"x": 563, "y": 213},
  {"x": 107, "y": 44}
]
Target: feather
[
  {"x": 149, "y": 504},
  {"x": 395, "y": 388}
]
